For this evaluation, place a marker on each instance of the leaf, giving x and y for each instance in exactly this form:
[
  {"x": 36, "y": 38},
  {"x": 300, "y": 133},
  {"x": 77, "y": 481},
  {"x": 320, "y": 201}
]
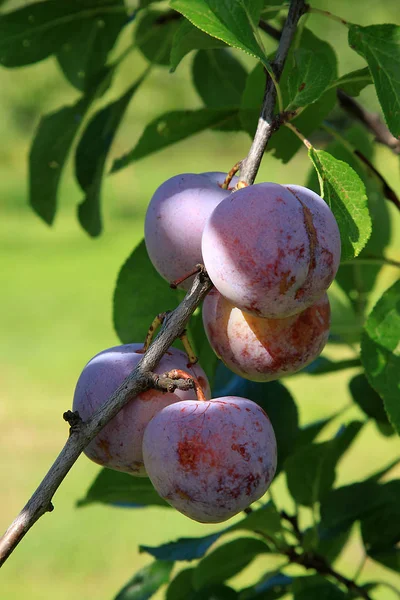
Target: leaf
[
  {"x": 264, "y": 519},
  {"x": 181, "y": 587},
  {"x": 215, "y": 592},
  {"x": 273, "y": 397},
  {"x": 32, "y": 33},
  {"x": 173, "y": 127},
  {"x": 344, "y": 192},
  {"x": 390, "y": 557},
  {"x": 380, "y": 46},
  {"x": 154, "y": 36},
  {"x": 219, "y": 78},
  {"x": 270, "y": 587},
  {"x": 227, "y": 21},
  {"x": 380, "y": 351},
  {"x": 380, "y": 529},
  {"x": 187, "y": 38},
  {"x": 309, "y": 432},
  {"x": 354, "y": 82},
  {"x": 91, "y": 155},
  {"x": 227, "y": 560},
  {"x": 121, "y": 489},
  {"x": 85, "y": 54},
  {"x": 323, "y": 365},
  {"x": 345, "y": 327},
  {"x": 316, "y": 587},
  {"x": 146, "y": 581},
  {"x": 367, "y": 399},
  {"x": 140, "y": 295},
  {"x": 308, "y": 78},
  {"x": 310, "y": 472}
]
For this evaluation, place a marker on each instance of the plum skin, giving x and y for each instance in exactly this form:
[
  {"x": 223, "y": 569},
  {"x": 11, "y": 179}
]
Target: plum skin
[
  {"x": 210, "y": 459},
  {"x": 175, "y": 220},
  {"x": 119, "y": 444},
  {"x": 272, "y": 250},
  {"x": 265, "y": 349}
]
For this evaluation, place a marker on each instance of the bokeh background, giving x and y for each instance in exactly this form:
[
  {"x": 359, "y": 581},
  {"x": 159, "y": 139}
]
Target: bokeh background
[{"x": 56, "y": 287}]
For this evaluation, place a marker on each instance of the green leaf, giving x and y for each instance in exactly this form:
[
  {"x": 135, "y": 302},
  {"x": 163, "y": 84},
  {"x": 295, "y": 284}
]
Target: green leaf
[
  {"x": 187, "y": 38},
  {"x": 270, "y": 587},
  {"x": 310, "y": 472},
  {"x": 181, "y": 587},
  {"x": 154, "y": 36},
  {"x": 50, "y": 148},
  {"x": 265, "y": 519},
  {"x": 273, "y": 397},
  {"x": 147, "y": 581},
  {"x": 85, "y": 54},
  {"x": 367, "y": 399},
  {"x": 173, "y": 127},
  {"x": 308, "y": 78},
  {"x": 121, "y": 489},
  {"x": 390, "y": 557},
  {"x": 354, "y": 82},
  {"x": 316, "y": 587},
  {"x": 380, "y": 529},
  {"x": 219, "y": 78},
  {"x": 227, "y": 21},
  {"x": 91, "y": 155},
  {"x": 380, "y": 46},
  {"x": 345, "y": 327},
  {"x": 215, "y": 592},
  {"x": 380, "y": 351},
  {"x": 344, "y": 192},
  {"x": 32, "y": 33},
  {"x": 140, "y": 295},
  {"x": 227, "y": 560},
  {"x": 309, "y": 432}
]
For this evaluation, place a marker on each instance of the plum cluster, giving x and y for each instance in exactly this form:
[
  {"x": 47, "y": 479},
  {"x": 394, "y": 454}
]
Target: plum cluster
[{"x": 271, "y": 252}]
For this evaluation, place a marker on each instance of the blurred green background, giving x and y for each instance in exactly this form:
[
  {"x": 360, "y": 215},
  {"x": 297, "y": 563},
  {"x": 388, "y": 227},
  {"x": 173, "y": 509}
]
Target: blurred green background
[{"x": 56, "y": 313}]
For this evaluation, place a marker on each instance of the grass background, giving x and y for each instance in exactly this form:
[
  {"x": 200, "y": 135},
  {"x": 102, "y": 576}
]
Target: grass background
[{"x": 55, "y": 313}]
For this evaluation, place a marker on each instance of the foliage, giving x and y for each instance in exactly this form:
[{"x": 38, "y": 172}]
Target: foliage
[{"x": 82, "y": 35}]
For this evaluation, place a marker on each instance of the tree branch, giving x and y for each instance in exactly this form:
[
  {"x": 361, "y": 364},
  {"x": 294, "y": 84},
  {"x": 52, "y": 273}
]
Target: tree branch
[
  {"x": 266, "y": 123},
  {"x": 372, "y": 122},
  {"x": 81, "y": 433}
]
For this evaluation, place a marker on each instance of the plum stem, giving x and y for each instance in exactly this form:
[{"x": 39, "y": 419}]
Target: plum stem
[
  {"x": 231, "y": 175},
  {"x": 80, "y": 436},
  {"x": 196, "y": 269},
  {"x": 188, "y": 347},
  {"x": 179, "y": 374},
  {"x": 157, "y": 321},
  {"x": 266, "y": 122}
]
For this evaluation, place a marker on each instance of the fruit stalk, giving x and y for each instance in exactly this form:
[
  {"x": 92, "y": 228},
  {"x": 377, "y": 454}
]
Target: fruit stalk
[
  {"x": 82, "y": 433},
  {"x": 266, "y": 123}
]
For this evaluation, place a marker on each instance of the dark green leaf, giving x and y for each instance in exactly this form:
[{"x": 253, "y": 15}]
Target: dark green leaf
[
  {"x": 354, "y": 82},
  {"x": 183, "y": 548},
  {"x": 316, "y": 587},
  {"x": 227, "y": 560},
  {"x": 265, "y": 519},
  {"x": 147, "y": 581},
  {"x": 310, "y": 75},
  {"x": 154, "y": 35},
  {"x": 188, "y": 38},
  {"x": 33, "y": 32},
  {"x": 91, "y": 155},
  {"x": 269, "y": 587},
  {"x": 380, "y": 351},
  {"x": 219, "y": 78},
  {"x": 384, "y": 471},
  {"x": 227, "y": 21},
  {"x": 140, "y": 295},
  {"x": 181, "y": 587},
  {"x": 380, "y": 46},
  {"x": 173, "y": 127},
  {"x": 121, "y": 489},
  {"x": 310, "y": 472},
  {"x": 389, "y": 557},
  {"x": 380, "y": 529},
  {"x": 309, "y": 432},
  {"x": 322, "y": 365},
  {"x": 367, "y": 399},
  {"x": 331, "y": 546},
  {"x": 344, "y": 192},
  {"x": 85, "y": 54},
  {"x": 345, "y": 327},
  {"x": 215, "y": 592},
  {"x": 273, "y": 397}
]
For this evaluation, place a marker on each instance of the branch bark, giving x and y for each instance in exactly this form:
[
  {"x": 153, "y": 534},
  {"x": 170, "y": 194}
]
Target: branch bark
[
  {"x": 266, "y": 123},
  {"x": 81, "y": 433}
]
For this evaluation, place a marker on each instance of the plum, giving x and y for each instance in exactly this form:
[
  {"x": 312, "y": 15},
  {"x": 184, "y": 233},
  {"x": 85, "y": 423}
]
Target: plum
[
  {"x": 210, "y": 459},
  {"x": 265, "y": 349},
  {"x": 175, "y": 220},
  {"x": 119, "y": 444},
  {"x": 271, "y": 250}
]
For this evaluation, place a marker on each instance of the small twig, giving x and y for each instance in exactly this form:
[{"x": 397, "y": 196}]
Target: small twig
[
  {"x": 293, "y": 128},
  {"x": 326, "y": 13},
  {"x": 292, "y": 519},
  {"x": 265, "y": 123},
  {"x": 372, "y": 121},
  {"x": 135, "y": 383},
  {"x": 166, "y": 384},
  {"x": 370, "y": 260},
  {"x": 176, "y": 374},
  {"x": 197, "y": 269}
]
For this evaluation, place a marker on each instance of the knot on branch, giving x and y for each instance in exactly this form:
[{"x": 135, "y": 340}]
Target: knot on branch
[
  {"x": 165, "y": 383},
  {"x": 74, "y": 420}
]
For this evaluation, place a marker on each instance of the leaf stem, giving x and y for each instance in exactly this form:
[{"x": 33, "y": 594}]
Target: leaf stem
[
  {"x": 299, "y": 135},
  {"x": 327, "y": 13}
]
